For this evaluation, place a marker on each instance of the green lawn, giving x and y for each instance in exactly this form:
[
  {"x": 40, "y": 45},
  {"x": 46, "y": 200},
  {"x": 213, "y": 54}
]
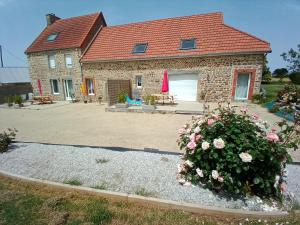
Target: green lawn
[
  {"x": 30, "y": 204},
  {"x": 273, "y": 88}
]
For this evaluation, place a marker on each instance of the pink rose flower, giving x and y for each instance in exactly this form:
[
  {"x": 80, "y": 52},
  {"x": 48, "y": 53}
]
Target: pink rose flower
[
  {"x": 181, "y": 131},
  {"x": 215, "y": 174},
  {"x": 210, "y": 122},
  {"x": 187, "y": 183},
  {"x": 192, "y": 137},
  {"x": 189, "y": 163},
  {"x": 197, "y": 130},
  {"x": 255, "y": 116},
  {"x": 283, "y": 187},
  {"x": 205, "y": 145},
  {"x": 199, "y": 172},
  {"x": 273, "y": 137},
  {"x": 198, "y": 137},
  {"x": 192, "y": 145},
  {"x": 221, "y": 179},
  {"x": 219, "y": 143},
  {"x": 216, "y": 117},
  {"x": 245, "y": 156},
  {"x": 244, "y": 110}
]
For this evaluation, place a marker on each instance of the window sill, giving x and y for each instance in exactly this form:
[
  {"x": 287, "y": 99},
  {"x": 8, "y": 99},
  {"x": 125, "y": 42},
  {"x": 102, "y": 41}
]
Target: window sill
[
  {"x": 56, "y": 94},
  {"x": 139, "y": 87},
  {"x": 91, "y": 94}
]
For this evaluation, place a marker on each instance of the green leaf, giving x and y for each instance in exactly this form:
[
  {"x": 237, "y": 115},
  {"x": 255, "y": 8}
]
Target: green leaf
[{"x": 256, "y": 180}]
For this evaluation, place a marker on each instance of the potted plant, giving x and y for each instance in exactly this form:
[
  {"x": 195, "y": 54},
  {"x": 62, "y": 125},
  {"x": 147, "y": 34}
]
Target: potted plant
[
  {"x": 18, "y": 100},
  {"x": 122, "y": 100},
  {"x": 10, "y": 100},
  {"x": 149, "y": 103}
]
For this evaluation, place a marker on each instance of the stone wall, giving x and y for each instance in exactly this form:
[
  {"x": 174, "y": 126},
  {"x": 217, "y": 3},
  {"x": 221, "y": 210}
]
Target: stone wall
[
  {"x": 39, "y": 69},
  {"x": 215, "y": 73}
]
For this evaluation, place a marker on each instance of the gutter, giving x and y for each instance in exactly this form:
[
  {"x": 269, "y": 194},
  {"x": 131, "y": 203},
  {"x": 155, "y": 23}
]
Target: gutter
[{"x": 175, "y": 57}]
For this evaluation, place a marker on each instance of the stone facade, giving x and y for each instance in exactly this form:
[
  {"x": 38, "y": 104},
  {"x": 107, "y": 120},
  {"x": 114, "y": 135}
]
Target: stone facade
[
  {"x": 39, "y": 69},
  {"x": 216, "y": 73}
]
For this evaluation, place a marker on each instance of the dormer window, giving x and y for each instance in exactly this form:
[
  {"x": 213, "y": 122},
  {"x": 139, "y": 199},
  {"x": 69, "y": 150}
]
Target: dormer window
[
  {"x": 52, "y": 37},
  {"x": 188, "y": 44},
  {"x": 140, "y": 48}
]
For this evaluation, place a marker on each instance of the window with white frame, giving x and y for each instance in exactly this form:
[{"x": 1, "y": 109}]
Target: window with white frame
[
  {"x": 138, "y": 81},
  {"x": 90, "y": 86},
  {"x": 51, "y": 59},
  {"x": 68, "y": 60},
  {"x": 54, "y": 86}
]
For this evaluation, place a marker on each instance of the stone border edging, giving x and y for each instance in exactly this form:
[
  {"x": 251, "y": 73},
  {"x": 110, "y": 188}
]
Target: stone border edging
[{"x": 168, "y": 204}]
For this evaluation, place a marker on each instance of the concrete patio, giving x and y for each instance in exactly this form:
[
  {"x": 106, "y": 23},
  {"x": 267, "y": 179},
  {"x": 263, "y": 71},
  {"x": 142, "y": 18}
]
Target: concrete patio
[{"x": 180, "y": 107}]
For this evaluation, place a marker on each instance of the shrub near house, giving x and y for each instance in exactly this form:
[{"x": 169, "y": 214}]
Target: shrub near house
[
  {"x": 236, "y": 153},
  {"x": 6, "y": 138}
]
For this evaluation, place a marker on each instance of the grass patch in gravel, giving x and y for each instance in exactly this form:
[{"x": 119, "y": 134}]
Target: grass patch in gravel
[
  {"x": 144, "y": 192},
  {"x": 102, "y": 186},
  {"x": 31, "y": 204},
  {"x": 73, "y": 181},
  {"x": 164, "y": 159},
  {"x": 102, "y": 160}
]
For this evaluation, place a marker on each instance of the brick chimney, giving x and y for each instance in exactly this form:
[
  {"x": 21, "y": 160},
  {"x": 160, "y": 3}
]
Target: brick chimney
[{"x": 51, "y": 18}]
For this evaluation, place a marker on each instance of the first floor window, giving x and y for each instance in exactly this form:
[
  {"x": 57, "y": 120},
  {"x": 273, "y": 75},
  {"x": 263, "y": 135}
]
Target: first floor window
[
  {"x": 138, "y": 81},
  {"x": 54, "y": 86},
  {"x": 90, "y": 86},
  {"x": 51, "y": 59},
  {"x": 68, "y": 60}
]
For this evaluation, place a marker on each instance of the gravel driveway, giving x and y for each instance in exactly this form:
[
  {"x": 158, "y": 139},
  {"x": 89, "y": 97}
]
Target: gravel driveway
[{"x": 148, "y": 173}]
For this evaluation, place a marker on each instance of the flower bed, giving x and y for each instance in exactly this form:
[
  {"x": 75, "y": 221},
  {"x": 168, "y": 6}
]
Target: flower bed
[{"x": 236, "y": 153}]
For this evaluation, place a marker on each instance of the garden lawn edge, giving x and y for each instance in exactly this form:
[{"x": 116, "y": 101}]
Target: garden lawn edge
[{"x": 167, "y": 204}]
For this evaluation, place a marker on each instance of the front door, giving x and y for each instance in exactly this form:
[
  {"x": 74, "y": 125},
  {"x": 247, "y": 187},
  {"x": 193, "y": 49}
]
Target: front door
[
  {"x": 68, "y": 89},
  {"x": 242, "y": 86}
]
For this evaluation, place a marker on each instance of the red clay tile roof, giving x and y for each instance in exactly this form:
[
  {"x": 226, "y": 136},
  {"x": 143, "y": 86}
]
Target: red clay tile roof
[
  {"x": 72, "y": 33},
  {"x": 164, "y": 36}
]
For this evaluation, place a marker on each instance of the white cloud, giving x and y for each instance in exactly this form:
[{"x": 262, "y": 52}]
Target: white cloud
[{"x": 4, "y": 2}]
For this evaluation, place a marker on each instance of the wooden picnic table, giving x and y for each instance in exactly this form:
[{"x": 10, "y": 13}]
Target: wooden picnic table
[
  {"x": 46, "y": 99},
  {"x": 163, "y": 98}
]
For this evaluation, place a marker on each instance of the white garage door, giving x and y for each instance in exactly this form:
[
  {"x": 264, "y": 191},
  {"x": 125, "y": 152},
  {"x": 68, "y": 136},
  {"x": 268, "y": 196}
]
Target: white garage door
[{"x": 183, "y": 86}]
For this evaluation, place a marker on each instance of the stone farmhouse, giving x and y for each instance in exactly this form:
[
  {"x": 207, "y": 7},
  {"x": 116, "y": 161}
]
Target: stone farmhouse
[{"x": 205, "y": 58}]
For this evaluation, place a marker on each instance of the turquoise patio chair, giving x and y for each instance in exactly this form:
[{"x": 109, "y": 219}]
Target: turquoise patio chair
[{"x": 132, "y": 102}]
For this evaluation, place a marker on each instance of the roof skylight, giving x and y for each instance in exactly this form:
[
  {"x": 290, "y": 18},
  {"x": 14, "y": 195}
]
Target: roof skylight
[
  {"x": 188, "y": 44},
  {"x": 140, "y": 48},
  {"x": 52, "y": 37}
]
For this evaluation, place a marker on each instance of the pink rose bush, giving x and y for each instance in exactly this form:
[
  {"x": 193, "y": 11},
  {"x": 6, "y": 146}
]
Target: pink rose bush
[{"x": 236, "y": 153}]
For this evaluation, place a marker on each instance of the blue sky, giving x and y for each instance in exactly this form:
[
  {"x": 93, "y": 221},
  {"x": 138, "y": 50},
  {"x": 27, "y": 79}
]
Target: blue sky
[{"x": 276, "y": 21}]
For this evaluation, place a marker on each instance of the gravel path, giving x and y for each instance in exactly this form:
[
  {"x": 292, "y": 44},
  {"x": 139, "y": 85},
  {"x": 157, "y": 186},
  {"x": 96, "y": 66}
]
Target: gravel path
[{"x": 122, "y": 171}]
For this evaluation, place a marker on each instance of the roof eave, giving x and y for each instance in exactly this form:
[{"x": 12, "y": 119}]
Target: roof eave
[
  {"x": 177, "y": 57},
  {"x": 53, "y": 49}
]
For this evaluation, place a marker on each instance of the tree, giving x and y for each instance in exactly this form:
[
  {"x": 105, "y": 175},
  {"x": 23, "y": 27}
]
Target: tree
[
  {"x": 280, "y": 73},
  {"x": 266, "y": 73},
  {"x": 293, "y": 59}
]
